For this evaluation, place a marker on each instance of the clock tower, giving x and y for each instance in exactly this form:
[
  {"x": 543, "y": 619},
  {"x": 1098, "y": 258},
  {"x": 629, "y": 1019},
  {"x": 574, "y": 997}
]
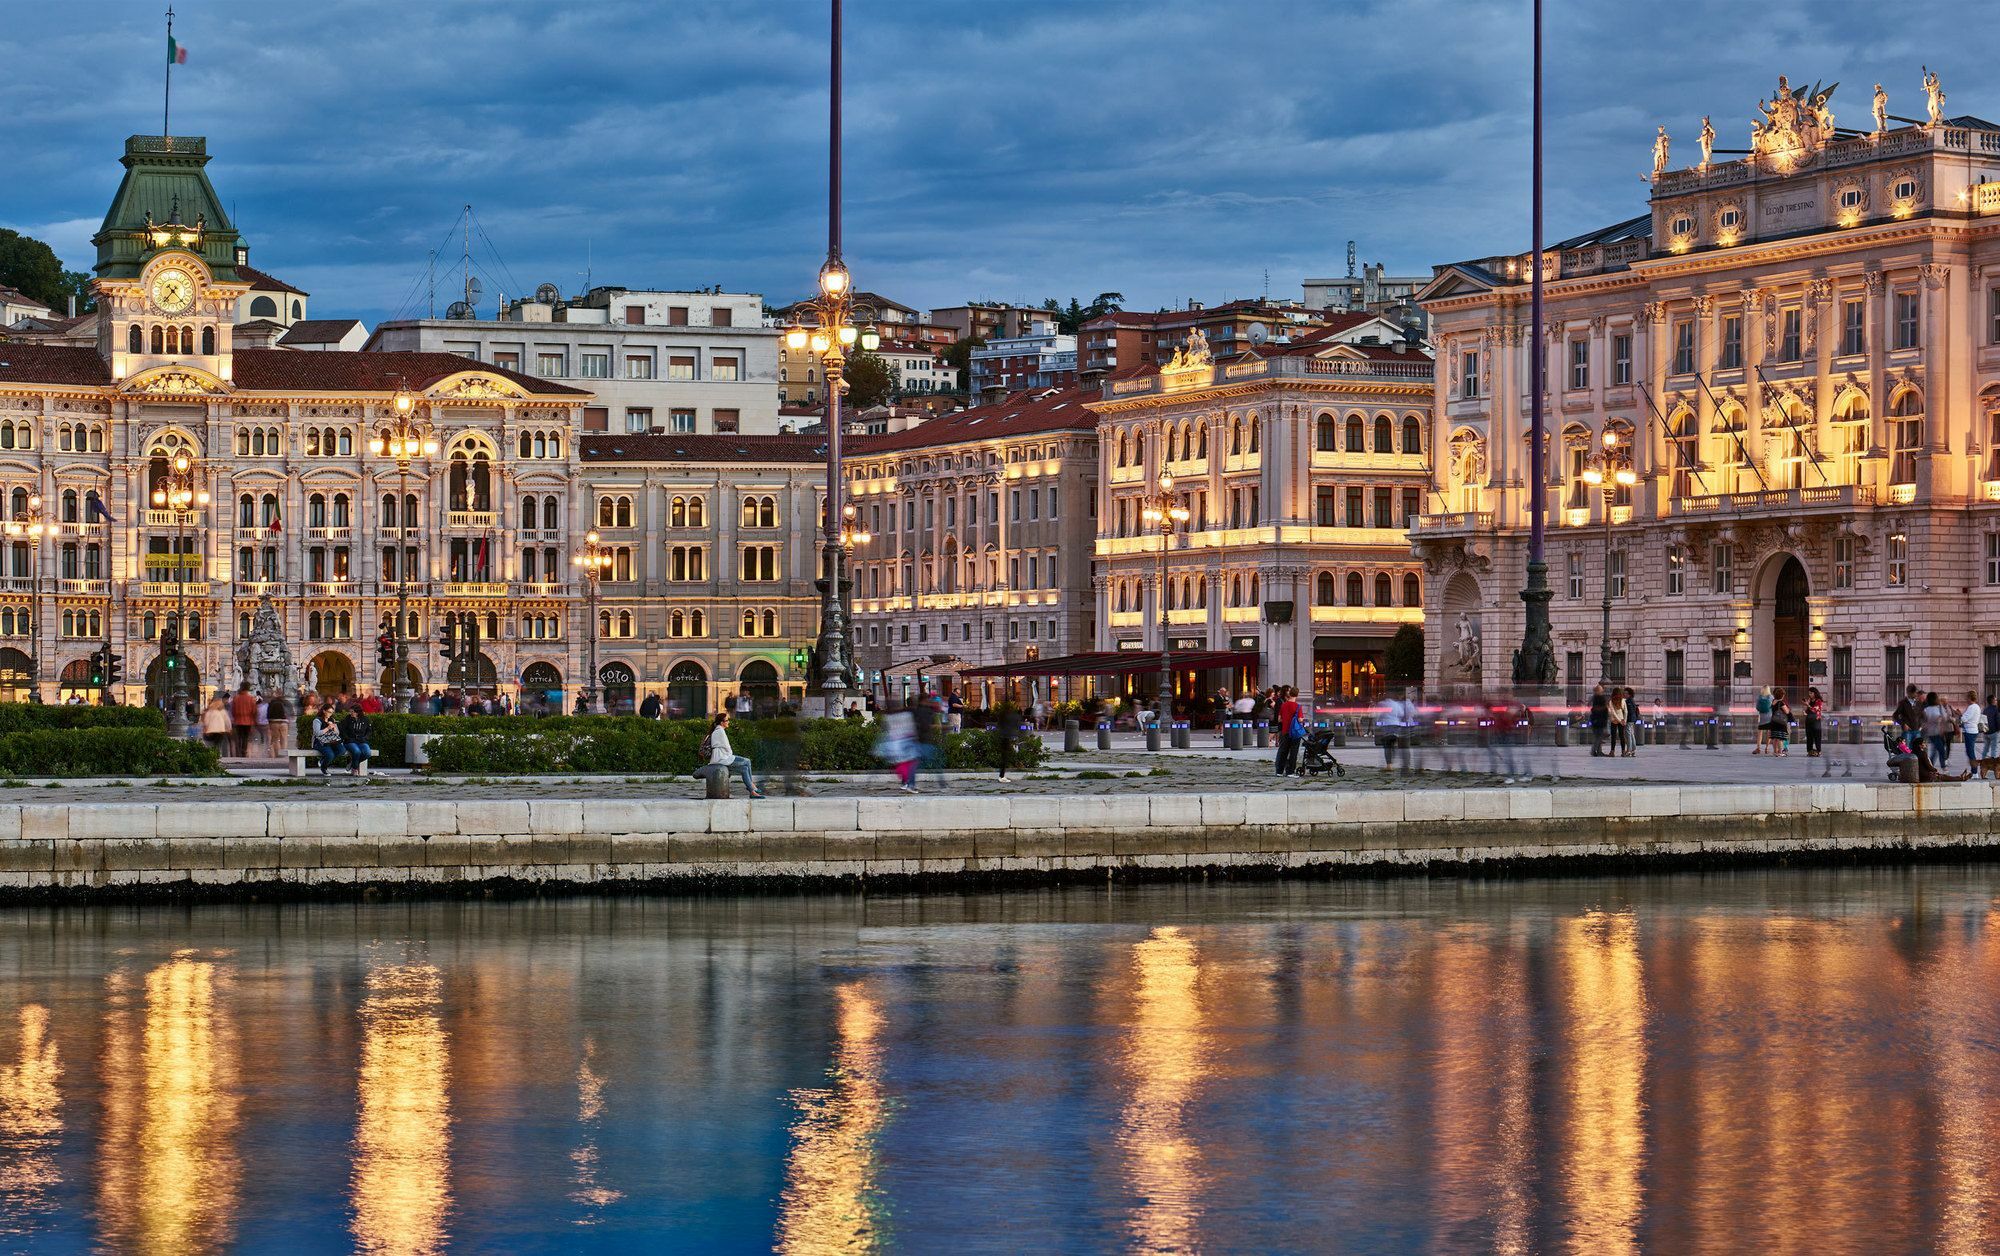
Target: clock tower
[{"x": 166, "y": 281}]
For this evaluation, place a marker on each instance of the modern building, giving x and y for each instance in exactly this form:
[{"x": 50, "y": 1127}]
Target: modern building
[
  {"x": 714, "y": 545},
  {"x": 989, "y": 320},
  {"x": 1373, "y": 291},
  {"x": 681, "y": 363},
  {"x": 980, "y": 528},
  {"x": 918, "y": 367},
  {"x": 1800, "y": 350},
  {"x": 1301, "y": 467},
  {"x": 1041, "y": 359}
]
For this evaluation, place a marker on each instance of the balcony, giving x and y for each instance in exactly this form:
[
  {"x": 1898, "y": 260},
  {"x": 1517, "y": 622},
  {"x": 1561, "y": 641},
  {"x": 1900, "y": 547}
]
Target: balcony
[
  {"x": 476, "y": 588},
  {"x": 341, "y": 533},
  {"x": 1454, "y": 523},
  {"x": 471, "y": 518},
  {"x": 83, "y": 588},
  {"x": 332, "y": 588},
  {"x": 542, "y": 588},
  {"x": 17, "y": 584},
  {"x": 1417, "y": 370},
  {"x": 171, "y": 588},
  {"x": 1779, "y": 500},
  {"x": 173, "y": 518}
]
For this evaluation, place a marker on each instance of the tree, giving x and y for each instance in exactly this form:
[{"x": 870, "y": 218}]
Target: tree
[
  {"x": 870, "y": 382},
  {"x": 1403, "y": 661},
  {"x": 1072, "y": 319},
  {"x": 958, "y": 356},
  {"x": 77, "y": 283},
  {"x": 32, "y": 267}
]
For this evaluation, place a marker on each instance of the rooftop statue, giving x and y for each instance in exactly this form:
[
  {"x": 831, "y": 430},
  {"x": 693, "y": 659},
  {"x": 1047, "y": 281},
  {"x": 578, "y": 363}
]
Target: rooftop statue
[
  {"x": 1794, "y": 124},
  {"x": 1933, "y": 97}
]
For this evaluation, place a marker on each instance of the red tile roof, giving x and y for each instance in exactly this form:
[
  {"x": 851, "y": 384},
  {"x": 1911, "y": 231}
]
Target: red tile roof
[
  {"x": 1018, "y": 414},
  {"x": 721, "y": 447},
  {"x": 275, "y": 370},
  {"x": 14, "y": 296},
  {"x": 269, "y": 283}
]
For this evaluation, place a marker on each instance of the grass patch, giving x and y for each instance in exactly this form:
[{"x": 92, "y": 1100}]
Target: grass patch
[
  {"x": 1161, "y": 772},
  {"x": 1096, "y": 776}
]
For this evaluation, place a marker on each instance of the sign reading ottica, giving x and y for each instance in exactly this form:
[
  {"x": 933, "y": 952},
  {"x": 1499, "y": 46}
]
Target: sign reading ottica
[{"x": 1786, "y": 212}]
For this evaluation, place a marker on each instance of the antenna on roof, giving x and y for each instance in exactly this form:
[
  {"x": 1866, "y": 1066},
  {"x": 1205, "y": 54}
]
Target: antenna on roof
[
  {"x": 1350, "y": 259},
  {"x": 471, "y": 284},
  {"x": 1267, "y": 283},
  {"x": 588, "y": 245}
]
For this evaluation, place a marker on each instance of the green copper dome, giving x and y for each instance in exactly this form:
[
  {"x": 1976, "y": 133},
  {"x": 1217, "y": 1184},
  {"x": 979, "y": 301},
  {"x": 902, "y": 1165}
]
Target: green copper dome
[{"x": 164, "y": 180}]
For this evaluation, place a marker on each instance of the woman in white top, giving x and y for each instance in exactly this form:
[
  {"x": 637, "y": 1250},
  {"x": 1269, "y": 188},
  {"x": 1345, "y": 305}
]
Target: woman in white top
[
  {"x": 1972, "y": 722},
  {"x": 722, "y": 755}
]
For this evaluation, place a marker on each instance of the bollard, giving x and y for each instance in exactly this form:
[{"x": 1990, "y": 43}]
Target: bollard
[
  {"x": 1103, "y": 735},
  {"x": 1853, "y": 730},
  {"x": 1232, "y": 735},
  {"x": 1713, "y": 731},
  {"x": 1183, "y": 739},
  {"x": 1684, "y": 732},
  {"x": 1729, "y": 732},
  {"x": 718, "y": 784},
  {"x": 1263, "y": 734},
  {"x": 1340, "y": 734},
  {"x": 1153, "y": 735},
  {"x": 1072, "y": 737}
]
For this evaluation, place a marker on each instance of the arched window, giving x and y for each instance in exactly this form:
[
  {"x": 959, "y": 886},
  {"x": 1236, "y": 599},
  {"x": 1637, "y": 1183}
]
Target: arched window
[
  {"x": 70, "y": 506},
  {"x": 749, "y": 623},
  {"x": 770, "y": 623},
  {"x": 1355, "y": 435},
  {"x": 242, "y": 442},
  {"x": 246, "y": 511},
  {"x": 346, "y": 442},
  {"x": 343, "y": 511},
  {"x": 697, "y": 512},
  {"x": 1201, "y": 442},
  {"x": 1254, "y": 427},
  {"x": 410, "y": 510},
  {"x": 1255, "y": 596},
  {"x": 1326, "y": 435},
  {"x": 677, "y": 513},
  {"x": 527, "y": 446},
  {"x": 1385, "y": 435},
  {"x": 1323, "y": 590},
  {"x": 208, "y": 340},
  {"x": 312, "y": 442},
  {"x": 1384, "y": 591},
  {"x": 316, "y": 511},
  {"x": 1124, "y": 449},
  {"x": 263, "y": 307},
  {"x": 1906, "y": 435},
  {"x": 135, "y": 340},
  {"x": 624, "y": 623},
  {"x": 470, "y": 478},
  {"x": 1413, "y": 590},
  {"x": 97, "y": 440},
  {"x": 159, "y": 339},
  {"x": 531, "y": 512},
  {"x": 677, "y": 624},
  {"x": 1235, "y": 437},
  {"x": 1354, "y": 588},
  {"x": 1173, "y": 443},
  {"x": 268, "y": 508},
  {"x": 1413, "y": 434}
]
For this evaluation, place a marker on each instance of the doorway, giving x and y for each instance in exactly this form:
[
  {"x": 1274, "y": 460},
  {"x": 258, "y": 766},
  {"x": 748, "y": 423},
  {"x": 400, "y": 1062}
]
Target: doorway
[{"x": 1791, "y": 628}]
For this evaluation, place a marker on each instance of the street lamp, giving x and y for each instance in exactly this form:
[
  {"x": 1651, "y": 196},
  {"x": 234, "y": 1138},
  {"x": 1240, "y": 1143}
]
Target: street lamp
[
  {"x": 831, "y": 325},
  {"x": 1609, "y": 471},
  {"x": 1164, "y": 511},
  {"x": 179, "y": 490},
  {"x": 591, "y": 561},
  {"x": 32, "y": 523},
  {"x": 408, "y": 437}
]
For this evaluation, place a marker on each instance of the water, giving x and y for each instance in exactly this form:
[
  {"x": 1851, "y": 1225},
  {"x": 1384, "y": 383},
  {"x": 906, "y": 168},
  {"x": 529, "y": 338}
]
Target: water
[{"x": 1760, "y": 1061}]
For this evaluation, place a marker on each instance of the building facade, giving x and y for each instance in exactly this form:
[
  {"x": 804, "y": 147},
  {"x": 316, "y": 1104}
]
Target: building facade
[
  {"x": 1300, "y": 471},
  {"x": 1044, "y": 358},
  {"x": 980, "y": 528},
  {"x": 1129, "y": 341},
  {"x": 1801, "y": 351},
  {"x": 989, "y": 320},
  {"x": 683, "y": 363}
]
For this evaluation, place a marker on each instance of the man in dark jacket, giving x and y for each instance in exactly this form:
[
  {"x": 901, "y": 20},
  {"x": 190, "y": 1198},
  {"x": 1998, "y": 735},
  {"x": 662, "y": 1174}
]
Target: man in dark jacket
[
  {"x": 650, "y": 708},
  {"x": 354, "y": 731},
  {"x": 1600, "y": 720}
]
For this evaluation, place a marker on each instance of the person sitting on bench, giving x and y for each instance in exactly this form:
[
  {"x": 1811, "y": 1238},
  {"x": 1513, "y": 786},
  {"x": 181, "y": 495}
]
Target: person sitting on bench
[
  {"x": 722, "y": 756},
  {"x": 354, "y": 731}
]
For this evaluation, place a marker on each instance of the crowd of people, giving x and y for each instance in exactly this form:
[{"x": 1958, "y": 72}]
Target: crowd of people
[{"x": 1927, "y": 727}]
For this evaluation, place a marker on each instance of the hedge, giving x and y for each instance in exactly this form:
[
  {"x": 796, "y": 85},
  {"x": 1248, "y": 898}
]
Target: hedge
[
  {"x": 103, "y": 752},
  {"x": 21, "y": 717},
  {"x": 502, "y": 746}
]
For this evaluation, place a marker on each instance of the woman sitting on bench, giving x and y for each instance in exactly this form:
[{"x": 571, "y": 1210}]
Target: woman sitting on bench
[{"x": 723, "y": 758}]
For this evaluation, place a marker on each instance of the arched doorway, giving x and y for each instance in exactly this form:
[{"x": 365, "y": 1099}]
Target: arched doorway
[
  {"x": 387, "y": 680},
  {"x": 17, "y": 675},
  {"x": 617, "y": 688},
  {"x": 760, "y": 680},
  {"x": 1782, "y": 644},
  {"x": 330, "y": 674},
  {"x": 473, "y": 674},
  {"x": 542, "y": 688},
  {"x": 74, "y": 683},
  {"x": 158, "y": 682},
  {"x": 687, "y": 691}
]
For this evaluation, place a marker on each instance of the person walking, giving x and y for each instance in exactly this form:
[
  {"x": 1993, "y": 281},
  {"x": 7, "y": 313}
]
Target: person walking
[
  {"x": 243, "y": 718},
  {"x": 898, "y": 746},
  {"x": 1815, "y": 717},
  {"x": 215, "y": 725},
  {"x": 1763, "y": 745},
  {"x": 278, "y": 725},
  {"x": 1291, "y": 730},
  {"x": 722, "y": 755},
  {"x": 1619, "y": 715},
  {"x": 1781, "y": 724},
  {"x": 1600, "y": 720},
  {"x": 1972, "y": 725},
  {"x": 1989, "y": 741},
  {"x": 1937, "y": 728},
  {"x": 1006, "y": 727},
  {"x": 930, "y": 737}
]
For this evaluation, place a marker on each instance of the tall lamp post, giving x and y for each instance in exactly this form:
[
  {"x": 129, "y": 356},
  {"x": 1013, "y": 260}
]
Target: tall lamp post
[
  {"x": 408, "y": 437},
  {"x": 1609, "y": 472},
  {"x": 829, "y": 324},
  {"x": 1535, "y": 663},
  {"x": 591, "y": 560},
  {"x": 33, "y": 524},
  {"x": 179, "y": 490},
  {"x": 852, "y": 535},
  {"x": 1164, "y": 511}
]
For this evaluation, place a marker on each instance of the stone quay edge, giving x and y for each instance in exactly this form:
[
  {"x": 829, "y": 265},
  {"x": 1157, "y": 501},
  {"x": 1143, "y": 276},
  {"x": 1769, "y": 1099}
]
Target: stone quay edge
[{"x": 333, "y": 848}]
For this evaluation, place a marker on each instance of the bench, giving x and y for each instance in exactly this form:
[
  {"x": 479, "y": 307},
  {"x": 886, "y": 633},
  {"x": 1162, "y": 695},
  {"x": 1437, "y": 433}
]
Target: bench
[{"x": 298, "y": 759}]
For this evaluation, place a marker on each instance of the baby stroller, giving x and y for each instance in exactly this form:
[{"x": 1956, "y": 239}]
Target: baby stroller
[{"x": 1316, "y": 755}]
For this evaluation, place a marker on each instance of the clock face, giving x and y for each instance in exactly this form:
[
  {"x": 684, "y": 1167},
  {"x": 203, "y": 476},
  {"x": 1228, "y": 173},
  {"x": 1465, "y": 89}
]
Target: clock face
[{"x": 173, "y": 290}]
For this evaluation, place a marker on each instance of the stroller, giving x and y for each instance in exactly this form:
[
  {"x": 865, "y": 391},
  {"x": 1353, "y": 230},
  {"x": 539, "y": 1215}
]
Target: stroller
[{"x": 1316, "y": 755}]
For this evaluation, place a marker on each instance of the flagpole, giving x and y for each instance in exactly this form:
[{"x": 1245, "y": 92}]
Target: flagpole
[{"x": 167, "y": 102}]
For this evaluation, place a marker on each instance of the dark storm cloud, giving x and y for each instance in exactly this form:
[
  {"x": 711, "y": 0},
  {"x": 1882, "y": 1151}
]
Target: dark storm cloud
[{"x": 1010, "y": 151}]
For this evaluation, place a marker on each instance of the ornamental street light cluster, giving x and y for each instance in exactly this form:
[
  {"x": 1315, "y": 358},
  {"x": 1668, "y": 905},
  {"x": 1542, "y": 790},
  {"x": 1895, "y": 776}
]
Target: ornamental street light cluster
[
  {"x": 592, "y": 560},
  {"x": 1609, "y": 471},
  {"x": 1162, "y": 510},
  {"x": 181, "y": 490},
  {"x": 408, "y": 437},
  {"x": 33, "y": 524}
]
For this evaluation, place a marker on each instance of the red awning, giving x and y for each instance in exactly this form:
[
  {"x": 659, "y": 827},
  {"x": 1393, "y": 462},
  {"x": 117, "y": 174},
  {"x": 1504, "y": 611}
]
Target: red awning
[{"x": 1116, "y": 663}]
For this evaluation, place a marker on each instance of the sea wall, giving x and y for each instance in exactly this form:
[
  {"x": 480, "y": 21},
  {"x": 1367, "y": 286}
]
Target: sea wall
[{"x": 234, "y": 848}]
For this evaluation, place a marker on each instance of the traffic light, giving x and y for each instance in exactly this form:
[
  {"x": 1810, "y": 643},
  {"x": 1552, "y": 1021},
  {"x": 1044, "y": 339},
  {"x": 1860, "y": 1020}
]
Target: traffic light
[
  {"x": 800, "y": 659},
  {"x": 97, "y": 667},
  {"x": 385, "y": 650},
  {"x": 114, "y": 668},
  {"x": 448, "y": 640},
  {"x": 170, "y": 642}
]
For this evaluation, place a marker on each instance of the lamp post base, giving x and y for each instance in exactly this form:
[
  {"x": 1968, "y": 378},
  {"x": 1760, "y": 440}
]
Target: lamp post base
[{"x": 1535, "y": 661}]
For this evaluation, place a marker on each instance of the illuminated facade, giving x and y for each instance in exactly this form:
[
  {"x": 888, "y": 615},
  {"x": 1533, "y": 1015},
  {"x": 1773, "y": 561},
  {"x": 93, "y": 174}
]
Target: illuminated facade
[{"x": 1801, "y": 349}]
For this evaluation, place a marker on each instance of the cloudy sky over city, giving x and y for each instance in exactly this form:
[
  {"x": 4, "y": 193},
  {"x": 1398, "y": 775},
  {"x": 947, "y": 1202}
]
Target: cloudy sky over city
[{"x": 1015, "y": 151}]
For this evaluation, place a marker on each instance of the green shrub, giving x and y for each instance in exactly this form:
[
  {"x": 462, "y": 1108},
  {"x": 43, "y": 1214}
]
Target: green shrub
[
  {"x": 103, "y": 752},
  {"x": 21, "y": 717}
]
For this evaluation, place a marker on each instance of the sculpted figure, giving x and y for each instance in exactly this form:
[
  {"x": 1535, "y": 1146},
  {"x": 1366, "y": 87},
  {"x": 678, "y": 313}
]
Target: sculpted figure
[
  {"x": 1933, "y": 97},
  {"x": 1881, "y": 110},
  {"x": 1660, "y": 145},
  {"x": 1707, "y": 140}
]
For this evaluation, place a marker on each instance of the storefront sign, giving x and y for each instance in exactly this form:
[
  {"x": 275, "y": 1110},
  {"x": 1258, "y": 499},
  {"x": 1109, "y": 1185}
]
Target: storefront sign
[
  {"x": 1190, "y": 643},
  {"x": 1243, "y": 643},
  {"x": 1131, "y": 644}
]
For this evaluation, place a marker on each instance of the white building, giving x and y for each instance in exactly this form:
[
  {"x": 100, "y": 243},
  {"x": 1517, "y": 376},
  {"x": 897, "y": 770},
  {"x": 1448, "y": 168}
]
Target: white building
[
  {"x": 16, "y": 305},
  {"x": 1043, "y": 358},
  {"x": 673, "y": 362}
]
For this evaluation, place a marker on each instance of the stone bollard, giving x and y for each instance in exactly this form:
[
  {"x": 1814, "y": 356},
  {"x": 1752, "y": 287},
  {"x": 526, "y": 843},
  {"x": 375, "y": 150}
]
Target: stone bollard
[
  {"x": 1263, "y": 734},
  {"x": 1853, "y": 730},
  {"x": 1340, "y": 734},
  {"x": 1183, "y": 739},
  {"x": 1232, "y": 735},
  {"x": 718, "y": 785},
  {"x": 1103, "y": 735},
  {"x": 1072, "y": 737},
  {"x": 1153, "y": 735}
]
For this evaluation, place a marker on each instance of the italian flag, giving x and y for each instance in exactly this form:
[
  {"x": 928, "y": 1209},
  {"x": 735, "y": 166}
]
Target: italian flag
[{"x": 177, "y": 53}]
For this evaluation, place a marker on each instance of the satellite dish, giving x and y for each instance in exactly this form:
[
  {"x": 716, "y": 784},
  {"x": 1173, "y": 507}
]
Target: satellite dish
[
  {"x": 548, "y": 294},
  {"x": 1259, "y": 333},
  {"x": 473, "y": 288},
  {"x": 459, "y": 309}
]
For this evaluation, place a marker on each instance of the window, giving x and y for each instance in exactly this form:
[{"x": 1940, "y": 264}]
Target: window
[
  {"x": 1843, "y": 677},
  {"x": 1355, "y": 440},
  {"x": 1354, "y": 595},
  {"x": 687, "y": 563},
  {"x": 1579, "y": 364},
  {"x": 1614, "y": 667},
  {"x": 760, "y": 512},
  {"x": 551, "y": 365},
  {"x": 1468, "y": 378},
  {"x": 1676, "y": 571},
  {"x": 1906, "y": 436},
  {"x": 728, "y": 420},
  {"x": 1326, "y": 434},
  {"x": 1413, "y": 506},
  {"x": 1854, "y": 325},
  {"x": 1385, "y": 436},
  {"x": 1676, "y": 677},
  {"x": 1621, "y": 358},
  {"x": 638, "y": 418},
  {"x": 1719, "y": 667},
  {"x": 1385, "y": 508},
  {"x": 1993, "y": 558},
  {"x": 1788, "y": 334},
  {"x": 1722, "y": 569},
  {"x": 596, "y": 419},
  {"x": 1413, "y": 590},
  {"x": 722, "y": 316},
  {"x": 1732, "y": 343},
  {"x": 635, "y": 315},
  {"x": 1355, "y": 513},
  {"x": 594, "y": 364},
  {"x": 1894, "y": 672},
  {"x": 1384, "y": 589},
  {"x": 1326, "y": 506},
  {"x": 638, "y": 366},
  {"x": 1683, "y": 347},
  {"x": 1908, "y": 324},
  {"x": 1573, "y": 676},
  {"x": 1615, "y": 572},
  {"x": 725, "y": 369},
  {"x": 1898, "y": 572},
  {"x": 1053, "y": 491},
  {"x": 1575, "y": 568},
  {"x": 759, "y": 562},
  {"x": 1843, "y": 562},
  {"x": 680, "y": 366},
  {"x": 681, "y": 420},
  {"x": 677, "y": 316}
]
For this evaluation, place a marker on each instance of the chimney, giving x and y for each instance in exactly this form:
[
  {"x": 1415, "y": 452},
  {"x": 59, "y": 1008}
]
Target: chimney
[
  {"x": 1400, "y": 346},
  {"x": 72, "y": 305}
]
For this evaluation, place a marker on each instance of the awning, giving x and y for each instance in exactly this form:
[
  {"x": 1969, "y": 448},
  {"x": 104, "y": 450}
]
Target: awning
[
  {"x": 1118, "y": 663},
  {"x": 950, "y": 666}
]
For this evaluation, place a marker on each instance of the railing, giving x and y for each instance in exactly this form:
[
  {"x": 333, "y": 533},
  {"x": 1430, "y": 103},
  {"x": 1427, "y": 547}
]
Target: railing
[
  {"x": 173, "y": 518},
  {"x": 173, "y": 588},
  {"x": 1775, "y": 500},
  {"x": 82, "y": 588},
  {"x": 543, "y": 588},
  {"x": 333, "y": 588},
  {"x": 1454, "y": 521},
  {"x": 17, "y": 584},
  {"x": 1375, "y": 369},
  {"x": 82, "y": 527},
  {"x": 341, "y": 533},
  {"x": 470, "y": 518},
  {"x": 475, "y": 588},
  {"x": 1417, "y": 369}
]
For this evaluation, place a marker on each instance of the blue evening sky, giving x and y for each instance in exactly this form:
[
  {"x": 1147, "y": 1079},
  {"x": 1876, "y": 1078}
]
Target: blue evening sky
[{"x": 1166, "y": 149}]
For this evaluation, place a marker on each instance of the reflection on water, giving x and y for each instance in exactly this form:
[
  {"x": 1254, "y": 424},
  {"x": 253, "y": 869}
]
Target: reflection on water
[
  {"x": 1165, "y": 1060},
  {"x": 1779, "y": 1061},
  {"x": 402, "y": 1140},
  {"x": 169, "y": 1176},
  {"x": 830, "y": 1203},
  {"x": 30, "y": 1121}
]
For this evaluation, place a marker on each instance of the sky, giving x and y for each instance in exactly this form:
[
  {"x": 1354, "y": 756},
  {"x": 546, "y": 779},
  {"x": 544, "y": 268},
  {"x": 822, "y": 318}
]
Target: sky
[{"x": 1164, "y": 149}]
